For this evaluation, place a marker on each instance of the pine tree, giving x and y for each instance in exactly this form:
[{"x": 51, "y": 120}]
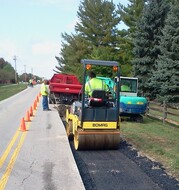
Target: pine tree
[
  {"x": 95, "y": 34},
  {"x": 73, "y": 49},
  {"x": 98, "y": 21},
  {"x": 146, "y": 43},
  {"x": 166, "y": 77},
  {"x": 129, "y": 15},
  {"x": 98, "y": 27}
]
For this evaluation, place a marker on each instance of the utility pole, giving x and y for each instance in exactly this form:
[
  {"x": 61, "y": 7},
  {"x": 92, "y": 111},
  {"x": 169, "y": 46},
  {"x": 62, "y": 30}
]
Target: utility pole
[
  {"x": 15, "y": 58},
  {"x": 31, "y": 72},
  {"x": 25, "y": 76}
]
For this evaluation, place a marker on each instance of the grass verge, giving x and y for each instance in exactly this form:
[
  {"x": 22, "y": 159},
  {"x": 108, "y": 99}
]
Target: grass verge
[
  {"x": 10, "y": 90},
  {"x": 155, "y": 140}
]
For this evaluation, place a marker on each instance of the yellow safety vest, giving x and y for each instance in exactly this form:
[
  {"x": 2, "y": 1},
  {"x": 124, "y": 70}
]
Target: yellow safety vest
[
  {"x": 44, "y": 90},
  {"x": 125, "y": 88},
  {"x": 95, "y": 84}
]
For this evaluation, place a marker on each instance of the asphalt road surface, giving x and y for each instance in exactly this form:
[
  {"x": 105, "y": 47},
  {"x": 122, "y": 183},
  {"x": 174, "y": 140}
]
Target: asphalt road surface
[
  {"x": 11, "y": 112},
  {"x": 122, "y": 169}
]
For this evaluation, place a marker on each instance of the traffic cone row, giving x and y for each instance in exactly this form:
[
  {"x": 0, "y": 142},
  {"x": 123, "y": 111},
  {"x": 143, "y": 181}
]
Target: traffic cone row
[
  {"x": 27, "y": 118},
  {"x": 35, "y": 105},
  {"x": 31, "y": 111},
  {"x": 37, "y": 99},
  {"x": 28, "y": 114},
  {"x": 23, "y": 125}
]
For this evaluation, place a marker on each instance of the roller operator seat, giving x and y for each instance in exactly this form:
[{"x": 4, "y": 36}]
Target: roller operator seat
[{"x": 98, "y": 98}]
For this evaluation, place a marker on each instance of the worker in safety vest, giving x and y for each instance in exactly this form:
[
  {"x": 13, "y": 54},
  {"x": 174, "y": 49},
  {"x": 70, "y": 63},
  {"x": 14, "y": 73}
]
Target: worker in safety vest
[
  {"x": 30, "y": 83},
  {"x": 125, "y": 88},
  {"x": 94, "y": 84},
  {"x": 44, "y": 93}
]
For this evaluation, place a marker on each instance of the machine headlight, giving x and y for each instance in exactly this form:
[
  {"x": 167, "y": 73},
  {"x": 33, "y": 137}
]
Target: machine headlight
[{"x": 140, "y": 103}]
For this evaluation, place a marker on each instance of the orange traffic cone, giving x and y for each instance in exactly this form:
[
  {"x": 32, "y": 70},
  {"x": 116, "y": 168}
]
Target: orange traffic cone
[
  {"x": 23, "y": 126},
  {"x": 31, "y": 111},
  {"x": 39, "y": 94},
  {"x": 27, "y": 118},
  {"x": 35, "y": 105},
  {"x": 37, "y": 99}
]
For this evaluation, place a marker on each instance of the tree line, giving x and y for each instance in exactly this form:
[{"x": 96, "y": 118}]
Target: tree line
[
  {"x": 147, "y": 49},
  {"x": 7, "y": 74}
]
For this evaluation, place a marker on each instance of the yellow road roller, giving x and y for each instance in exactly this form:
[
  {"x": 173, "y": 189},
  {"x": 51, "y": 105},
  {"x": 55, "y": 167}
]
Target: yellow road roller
[{"x": 94, "y": 121}]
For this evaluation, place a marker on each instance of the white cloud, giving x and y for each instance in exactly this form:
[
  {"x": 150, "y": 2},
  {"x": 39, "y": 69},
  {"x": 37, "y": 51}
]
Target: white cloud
[
  {"x": 45, "y": 48},
  {"x": 8, "y": 49}
]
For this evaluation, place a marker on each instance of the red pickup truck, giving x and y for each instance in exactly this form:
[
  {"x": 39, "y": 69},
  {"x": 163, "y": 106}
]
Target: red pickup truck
[{"x": 64, "y": 89}]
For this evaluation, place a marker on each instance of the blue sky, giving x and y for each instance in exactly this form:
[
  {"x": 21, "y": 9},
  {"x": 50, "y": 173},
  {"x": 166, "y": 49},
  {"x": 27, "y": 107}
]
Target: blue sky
[{"x": 31, "y": 30}]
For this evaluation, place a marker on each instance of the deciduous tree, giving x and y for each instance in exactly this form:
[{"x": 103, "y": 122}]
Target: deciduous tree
[{"x": 6, "y": 71}]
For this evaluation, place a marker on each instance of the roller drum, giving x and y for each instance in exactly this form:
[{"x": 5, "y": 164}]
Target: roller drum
[{"x": 92, "y": 140}]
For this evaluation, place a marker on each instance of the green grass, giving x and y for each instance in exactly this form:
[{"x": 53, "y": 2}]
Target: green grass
[
  {"x": 7, "y": 91},
  {"x": 158, "y": 141}
]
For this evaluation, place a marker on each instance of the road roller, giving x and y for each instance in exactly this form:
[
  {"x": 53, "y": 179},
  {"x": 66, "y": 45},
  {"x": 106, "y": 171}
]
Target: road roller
[{"x": 94, "y": 122}]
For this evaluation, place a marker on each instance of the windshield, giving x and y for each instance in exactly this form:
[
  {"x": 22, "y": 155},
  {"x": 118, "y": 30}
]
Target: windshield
[{"x": 128, "y": 85}]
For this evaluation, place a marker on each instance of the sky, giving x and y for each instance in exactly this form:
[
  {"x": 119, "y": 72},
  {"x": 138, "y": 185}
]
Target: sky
[{"x": 31, "y": 30}]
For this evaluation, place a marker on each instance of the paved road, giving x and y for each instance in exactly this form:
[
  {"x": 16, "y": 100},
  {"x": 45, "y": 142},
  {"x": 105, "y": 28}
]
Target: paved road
[
  {"x": 39, "y": 158},
  {"x": 11, "y": 112}
]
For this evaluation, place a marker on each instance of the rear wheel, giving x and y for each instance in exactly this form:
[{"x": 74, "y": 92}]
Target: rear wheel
[
  {"x": 62, "y": 110},
  {"x": 50, "y": 100}
]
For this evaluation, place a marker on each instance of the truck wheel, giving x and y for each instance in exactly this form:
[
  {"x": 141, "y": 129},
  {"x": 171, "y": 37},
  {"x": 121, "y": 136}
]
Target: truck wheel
[
  {"x": 50, "y": 101},
  {"x": 62, "y": 110}
]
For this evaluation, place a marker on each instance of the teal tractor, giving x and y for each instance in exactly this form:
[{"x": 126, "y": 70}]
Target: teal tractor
[{"x": 131, "y": 105}]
